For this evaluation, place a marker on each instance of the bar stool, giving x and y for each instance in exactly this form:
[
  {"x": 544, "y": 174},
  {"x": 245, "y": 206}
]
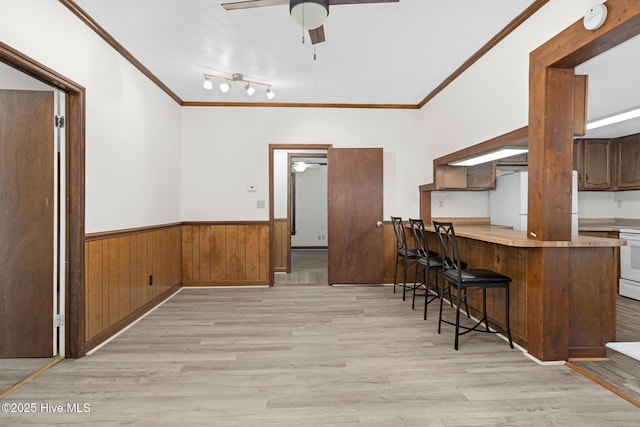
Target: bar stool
[
  {"x": 426, "y": 261},
  {"x": 463, "y": 279},
  {"x": 404, "y": 255}
]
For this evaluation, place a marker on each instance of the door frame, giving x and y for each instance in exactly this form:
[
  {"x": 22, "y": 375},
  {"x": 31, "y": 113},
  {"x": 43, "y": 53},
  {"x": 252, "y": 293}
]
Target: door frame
[
  {"x": 74, "y": 191},
  {"x": 272, "y": 149}
]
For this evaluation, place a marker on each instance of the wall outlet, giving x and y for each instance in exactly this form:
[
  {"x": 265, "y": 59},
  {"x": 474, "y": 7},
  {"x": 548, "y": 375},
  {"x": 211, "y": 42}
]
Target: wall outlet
[{"x": 260, "y": 204}]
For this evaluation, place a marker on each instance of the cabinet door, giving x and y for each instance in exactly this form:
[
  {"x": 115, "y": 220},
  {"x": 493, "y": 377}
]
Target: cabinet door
[
  {"x": 628, "y": 170},
  {"x": 578, "y": 163},
  {"x": 597, "y": 161}
]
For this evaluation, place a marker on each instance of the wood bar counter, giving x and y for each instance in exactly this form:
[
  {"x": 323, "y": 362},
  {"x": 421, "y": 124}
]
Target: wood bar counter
[{"x": 581, "y": 317}]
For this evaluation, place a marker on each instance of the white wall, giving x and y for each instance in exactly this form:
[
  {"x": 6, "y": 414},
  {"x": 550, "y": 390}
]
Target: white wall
[
  {"x": 311, "y": 208},
  {"x": 460, "y": 204},
  {"x": 596, "y": 204},
  {"x": 132, "y": 127},
  {"x": 491, "y": 98},
  {"x": 609, "y": 204},
  {"x": 224, "y": 149},
  {"x": 10, "y": 78},
  {"x": 627, "y": 204}
]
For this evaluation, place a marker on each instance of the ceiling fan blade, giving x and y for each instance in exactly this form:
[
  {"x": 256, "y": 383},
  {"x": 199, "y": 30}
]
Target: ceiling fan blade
[
  {"x": 249, "y": 4},
  {"x": 317, "y": 35},
  {"x": 337, "y": 2}
]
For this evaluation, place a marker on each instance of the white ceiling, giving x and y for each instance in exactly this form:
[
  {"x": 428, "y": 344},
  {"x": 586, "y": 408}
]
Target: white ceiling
[
  {"x": 614, "y": 87},
  {"x": 390, "y": 53}
]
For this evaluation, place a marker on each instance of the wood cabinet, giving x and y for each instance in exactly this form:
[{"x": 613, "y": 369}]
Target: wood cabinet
[
  {"x": 479, "y": 177},
  {"x": 628, "y": 162},
  {"x": 597, "y": 160},
  {"x": 608, "y": 164}
]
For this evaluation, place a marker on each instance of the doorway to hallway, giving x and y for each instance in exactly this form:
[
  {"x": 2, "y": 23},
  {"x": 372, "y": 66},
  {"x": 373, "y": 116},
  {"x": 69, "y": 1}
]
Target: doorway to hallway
[{"x": 308, "y": 267}]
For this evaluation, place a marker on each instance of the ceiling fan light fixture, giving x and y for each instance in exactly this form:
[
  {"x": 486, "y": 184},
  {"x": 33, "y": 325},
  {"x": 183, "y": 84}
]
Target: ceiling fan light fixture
[
  {"x": 250, "y": 89},
  {"x": 270, "y": 93},
  {"x": 225, "y": 86},
  {"x": 309, "y": 14},
  {"x": 208, "y": 84}
]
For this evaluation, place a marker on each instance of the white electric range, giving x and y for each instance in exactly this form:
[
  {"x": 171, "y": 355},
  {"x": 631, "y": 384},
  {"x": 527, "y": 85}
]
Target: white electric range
[{"x": 630, "y": 263}]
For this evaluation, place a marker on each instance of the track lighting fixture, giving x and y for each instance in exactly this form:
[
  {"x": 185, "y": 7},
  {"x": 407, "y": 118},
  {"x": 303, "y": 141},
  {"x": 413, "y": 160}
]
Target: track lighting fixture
[{"x": 225, "y": 86}]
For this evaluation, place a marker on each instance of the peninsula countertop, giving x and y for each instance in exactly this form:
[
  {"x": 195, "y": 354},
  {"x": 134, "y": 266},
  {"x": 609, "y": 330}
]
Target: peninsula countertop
[{"x": 507, "y": 236}]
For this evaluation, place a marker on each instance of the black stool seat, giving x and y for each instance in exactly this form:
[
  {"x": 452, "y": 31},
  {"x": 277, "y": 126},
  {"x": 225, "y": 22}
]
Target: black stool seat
[{"x": 474, "y": 276}]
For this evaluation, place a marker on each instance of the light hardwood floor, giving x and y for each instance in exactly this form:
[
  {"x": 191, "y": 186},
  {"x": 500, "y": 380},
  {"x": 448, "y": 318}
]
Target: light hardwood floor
[
  {"x": 310, "y": 356},
  {"x": 619, "y": 371},
  {"x": 308, "y": 267}
]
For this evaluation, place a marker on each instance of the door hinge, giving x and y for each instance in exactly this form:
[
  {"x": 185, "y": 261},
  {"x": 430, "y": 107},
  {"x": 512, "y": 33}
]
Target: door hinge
[
  {"x": 59, "y": 121},
  {"x": 58, "y": 321}
]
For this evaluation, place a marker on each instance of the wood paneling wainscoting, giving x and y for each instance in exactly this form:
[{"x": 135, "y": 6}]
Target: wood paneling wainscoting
[
  {"x": 224, "y": 253},
  {"x": 282, "y": 245},
  {"x": 126, "y": 274}
]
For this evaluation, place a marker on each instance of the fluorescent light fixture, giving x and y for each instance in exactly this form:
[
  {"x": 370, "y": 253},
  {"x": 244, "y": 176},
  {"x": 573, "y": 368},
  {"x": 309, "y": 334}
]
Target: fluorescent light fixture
[
  {"x": 628, "y": 115},
  {"x": 225, "y": 86},
  {"x": 507, "y": 152},
  {"x": 208, "y": 84}
]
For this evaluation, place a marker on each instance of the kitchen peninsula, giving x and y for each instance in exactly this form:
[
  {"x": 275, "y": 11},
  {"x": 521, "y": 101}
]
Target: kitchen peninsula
[
  {"x": 588, "y": 311},
  {"x": 563, "y": 293}
]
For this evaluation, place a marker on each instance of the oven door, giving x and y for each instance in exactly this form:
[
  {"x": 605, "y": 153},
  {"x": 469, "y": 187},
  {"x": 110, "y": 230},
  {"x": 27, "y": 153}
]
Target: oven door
[{"x": 630, "y": 257}]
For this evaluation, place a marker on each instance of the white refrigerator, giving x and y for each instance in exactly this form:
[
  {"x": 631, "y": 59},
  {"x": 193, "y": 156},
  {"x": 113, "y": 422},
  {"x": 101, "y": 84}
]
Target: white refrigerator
[{"x": 508, "y": 202}]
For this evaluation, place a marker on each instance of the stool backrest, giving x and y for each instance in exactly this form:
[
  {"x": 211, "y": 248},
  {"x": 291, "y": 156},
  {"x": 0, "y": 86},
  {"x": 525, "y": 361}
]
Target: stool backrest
[
  {"x": 448, "y": 245},
  {"x": 398, "y": 228},
  {"x": 420, "y": 237}
]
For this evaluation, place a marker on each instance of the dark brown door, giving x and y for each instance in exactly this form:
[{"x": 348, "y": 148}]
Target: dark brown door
[
  {"x": 26, "y": 223},
  {"x": 355, "y": 234}
]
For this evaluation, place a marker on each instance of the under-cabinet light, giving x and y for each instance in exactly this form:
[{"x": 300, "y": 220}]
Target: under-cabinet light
[
  {"x": 617, "y": 118},
  {"x": 507, "y": 152}
]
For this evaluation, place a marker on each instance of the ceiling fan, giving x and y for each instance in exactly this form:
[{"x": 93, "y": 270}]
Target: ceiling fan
[{"x": 309, "y": 14}]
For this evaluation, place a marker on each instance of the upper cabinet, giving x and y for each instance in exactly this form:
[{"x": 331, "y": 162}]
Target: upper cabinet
[
  {"x": 608, "y": 164},
  {"x": 479, "y": 177},
  {"x": 628, "y": 160}
]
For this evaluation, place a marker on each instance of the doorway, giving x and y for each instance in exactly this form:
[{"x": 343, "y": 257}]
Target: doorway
[
  {"x": 32, "y": 181},
  {"x": 300, "y": 216},
  {"x": 70, "y": 209},
  {"x": 354, "y": 212}
]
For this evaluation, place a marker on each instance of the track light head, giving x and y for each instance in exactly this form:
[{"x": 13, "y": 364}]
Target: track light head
[
  {"x": 250, "y": 90},
  {"x": 225, "y": 86},
  {"x": 208, "y": 84},
  {"x": 270, "y": 93}
]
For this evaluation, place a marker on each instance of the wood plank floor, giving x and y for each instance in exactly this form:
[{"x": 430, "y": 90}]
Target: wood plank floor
[
  {"x": 619, "y": 371},
  {"x": 310, "y": 356},
  {"x": 308, "y": 266}
]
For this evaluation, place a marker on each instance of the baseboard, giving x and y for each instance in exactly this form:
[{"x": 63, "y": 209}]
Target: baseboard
[{"x": 228, "y": 283}]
